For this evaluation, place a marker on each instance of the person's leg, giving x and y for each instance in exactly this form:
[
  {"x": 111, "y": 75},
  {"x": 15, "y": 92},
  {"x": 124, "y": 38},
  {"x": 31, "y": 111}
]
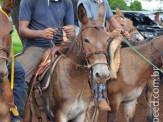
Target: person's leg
[
  {"x": 19, "y": 82},
  {"x": 29, "y": 60}
]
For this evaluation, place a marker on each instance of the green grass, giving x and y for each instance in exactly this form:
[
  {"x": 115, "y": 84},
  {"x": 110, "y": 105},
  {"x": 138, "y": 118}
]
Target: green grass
[{"x": 16, "y": 42}]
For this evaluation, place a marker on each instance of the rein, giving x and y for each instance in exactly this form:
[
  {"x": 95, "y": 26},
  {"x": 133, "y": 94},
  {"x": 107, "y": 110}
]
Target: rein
[{"x": 4, "y": 13}]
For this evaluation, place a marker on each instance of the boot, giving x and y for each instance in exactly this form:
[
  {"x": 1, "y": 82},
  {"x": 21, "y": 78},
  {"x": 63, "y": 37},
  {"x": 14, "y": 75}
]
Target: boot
[{"x": 103, "y": 105}]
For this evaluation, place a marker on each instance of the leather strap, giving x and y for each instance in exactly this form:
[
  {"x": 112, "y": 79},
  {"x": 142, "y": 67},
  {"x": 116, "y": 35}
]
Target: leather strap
[{"x": 40, "y": 105}]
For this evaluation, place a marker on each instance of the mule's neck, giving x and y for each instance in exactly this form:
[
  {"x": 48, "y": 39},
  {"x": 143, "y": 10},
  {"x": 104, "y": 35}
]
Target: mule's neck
[
  {"x": 76, "y": 55},
  {"x": 152, "y": 50}
]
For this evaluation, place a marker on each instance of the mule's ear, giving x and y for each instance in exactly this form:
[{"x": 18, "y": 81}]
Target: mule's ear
[
  {"x": 8, "y": 5},
  {"x": 82, "y": 14},
  {"x": 119, "y": 13},
  {"x": 101, "y": 13}
]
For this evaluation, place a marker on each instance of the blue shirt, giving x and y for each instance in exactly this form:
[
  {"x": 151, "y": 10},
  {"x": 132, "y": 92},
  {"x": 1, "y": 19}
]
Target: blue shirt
[
  {"x": 42, "y": 14},
  {"x": 91, "y": 7}
]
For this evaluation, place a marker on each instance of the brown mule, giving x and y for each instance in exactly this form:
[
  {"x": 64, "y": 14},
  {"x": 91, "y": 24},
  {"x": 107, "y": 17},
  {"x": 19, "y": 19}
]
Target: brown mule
[
  {"x": 6, "y": 94},
  {"x": 127, "y": 25},
  {"x": 132, "y": 77},
  {"x": 72, "y": 97},
  {"x": 83, "y": 64}
]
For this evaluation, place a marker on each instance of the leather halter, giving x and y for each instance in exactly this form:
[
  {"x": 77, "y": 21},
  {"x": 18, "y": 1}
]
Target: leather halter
[
  {"x": 6, "y": 51},
  {"x": 95, "y": 52}
]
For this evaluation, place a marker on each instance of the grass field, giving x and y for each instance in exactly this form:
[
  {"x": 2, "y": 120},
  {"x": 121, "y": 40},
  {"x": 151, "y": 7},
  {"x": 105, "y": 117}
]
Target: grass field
[{"x": 16, "y": 42}]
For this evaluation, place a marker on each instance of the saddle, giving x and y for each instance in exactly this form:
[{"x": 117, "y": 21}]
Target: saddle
[
  {"x": 114, "y": 51},
  {"x": 35, "y": 108}
]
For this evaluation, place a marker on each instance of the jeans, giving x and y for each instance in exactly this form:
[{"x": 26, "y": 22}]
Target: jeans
[{"x": 19, "y": 84}]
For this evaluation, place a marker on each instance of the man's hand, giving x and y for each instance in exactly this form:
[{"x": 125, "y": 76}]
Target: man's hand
[
  {"x": 69, "y": 30},
  {"x": 115, "y": 33},
  {"x": 48, "y": 33},
  {"x": 127, "y": 35}
]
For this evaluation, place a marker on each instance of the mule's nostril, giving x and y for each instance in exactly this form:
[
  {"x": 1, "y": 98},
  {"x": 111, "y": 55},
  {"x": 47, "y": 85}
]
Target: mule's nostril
[{"x": 97, "y": 75}]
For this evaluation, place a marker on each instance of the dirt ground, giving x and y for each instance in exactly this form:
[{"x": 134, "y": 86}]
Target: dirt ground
[{"x": 141, "y": 110}]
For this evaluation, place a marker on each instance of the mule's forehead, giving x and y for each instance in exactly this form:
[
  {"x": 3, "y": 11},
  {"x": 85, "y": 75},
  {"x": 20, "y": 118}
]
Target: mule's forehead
[{"x": 95, "y": 33}]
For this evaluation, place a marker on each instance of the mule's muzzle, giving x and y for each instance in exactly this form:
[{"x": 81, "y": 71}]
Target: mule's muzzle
[
  {"x": 137, "y": 38},
  {"x": 101, "y": 73}
]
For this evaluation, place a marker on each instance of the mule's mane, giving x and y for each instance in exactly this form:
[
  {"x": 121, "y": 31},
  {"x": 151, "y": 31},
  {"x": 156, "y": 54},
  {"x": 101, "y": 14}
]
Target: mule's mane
[{"x": 68, "y": 45}]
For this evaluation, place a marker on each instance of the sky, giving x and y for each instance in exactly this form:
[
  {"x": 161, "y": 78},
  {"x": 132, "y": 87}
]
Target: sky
[{"x": 151, "y": 4}]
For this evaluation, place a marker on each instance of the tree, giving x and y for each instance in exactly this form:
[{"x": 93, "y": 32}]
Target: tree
[
  {"x": 121, "y": 4},
  {"x": 15, "y": 16},
  {"x": 136, "y": 6}
]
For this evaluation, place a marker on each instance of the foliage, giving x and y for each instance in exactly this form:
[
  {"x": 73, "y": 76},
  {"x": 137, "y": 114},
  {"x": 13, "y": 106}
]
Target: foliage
[
  {"x": 16, "y": 42},
  {"x": 121, "y": 4},
  {"x": 136, "y": 6}
]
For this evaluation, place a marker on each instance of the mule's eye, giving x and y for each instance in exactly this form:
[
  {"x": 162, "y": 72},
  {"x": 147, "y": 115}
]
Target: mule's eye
[
  {"x": 10, "y": 32},
  {"x": 122, "y": 24},
  {"x": 86, "y": 40}
]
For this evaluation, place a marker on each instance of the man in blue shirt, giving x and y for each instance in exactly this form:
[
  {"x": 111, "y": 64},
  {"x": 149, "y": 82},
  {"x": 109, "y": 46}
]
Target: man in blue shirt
[
  {"x": 38, "y": 23},
  {"x": 91, "y": 7}
]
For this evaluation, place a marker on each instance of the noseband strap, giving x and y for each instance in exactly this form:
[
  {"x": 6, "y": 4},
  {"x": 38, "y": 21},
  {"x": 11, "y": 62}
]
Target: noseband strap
[
  {"x": 96, "y": 53},
  {"x": 6, "y": 51}
]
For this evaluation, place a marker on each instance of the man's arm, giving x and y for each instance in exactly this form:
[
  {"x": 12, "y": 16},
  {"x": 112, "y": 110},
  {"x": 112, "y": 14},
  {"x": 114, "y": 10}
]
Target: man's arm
[
  {"x": 116, "y": 29},
  {"x": 114, "y": 24},
  {"x": 69, "y": 20},
  {"x": 25, "y": 32}
]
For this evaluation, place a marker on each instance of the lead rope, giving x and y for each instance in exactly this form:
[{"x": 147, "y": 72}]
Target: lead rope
[
  {"x": 12, "y": 65},
  {"x": 12, "y": 55},
  {"x": 149, "y": 62}
]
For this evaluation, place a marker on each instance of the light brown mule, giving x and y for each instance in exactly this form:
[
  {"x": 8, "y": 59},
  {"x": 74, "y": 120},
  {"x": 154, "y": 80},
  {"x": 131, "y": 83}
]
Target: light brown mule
[
  {"x": 6, "y": 94},
  {"x": 86, "y": 59},
  {"x": 132, "y": 77},
  {"x": 127, "y": 25}
]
